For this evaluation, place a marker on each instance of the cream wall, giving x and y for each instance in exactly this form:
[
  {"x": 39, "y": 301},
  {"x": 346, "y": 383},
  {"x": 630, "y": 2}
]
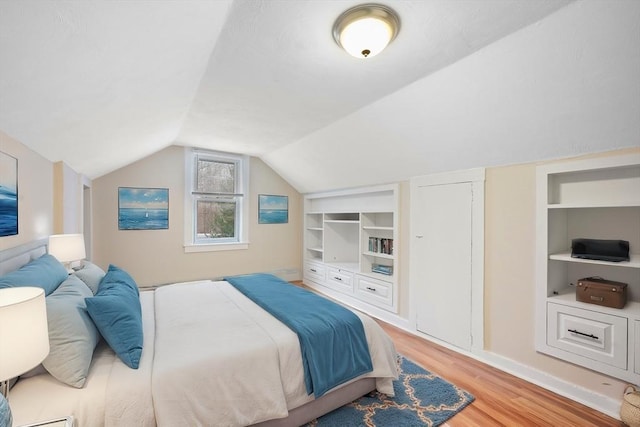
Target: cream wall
[
  {"x": 157, "y": 256},
  {"x": 35, "y": 193},
  {"x": 510, "y": 227}
]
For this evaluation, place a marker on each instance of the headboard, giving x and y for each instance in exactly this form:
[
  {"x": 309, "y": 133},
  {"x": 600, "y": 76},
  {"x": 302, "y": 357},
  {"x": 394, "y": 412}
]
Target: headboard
[{"x": 13, "y": 258}]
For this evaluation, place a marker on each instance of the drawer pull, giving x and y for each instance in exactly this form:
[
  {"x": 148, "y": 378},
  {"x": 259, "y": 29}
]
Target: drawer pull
[
  {"x": 574, "y": 331},
  {"x": 371, "y": 289},
  {"x": 313, "y": 270},
  {"x": 599, "y": 299},
  {"x": 338, "y": 278}
]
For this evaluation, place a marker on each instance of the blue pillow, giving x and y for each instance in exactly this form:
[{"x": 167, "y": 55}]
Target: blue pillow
[
  {"x": 45, "y": 272},
  {"x": 115, "y": 310}
]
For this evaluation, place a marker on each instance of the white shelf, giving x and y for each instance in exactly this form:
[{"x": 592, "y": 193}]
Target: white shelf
[
  {"x": 596, "y": 198},
  {"x": 567, "y": 296},
  {"x": 566, "y": 256},
  {"x": 342, "y": 223},
  {"x": 378, "y": 255},
  {"x": 351, "y": 266},
  {"x": 377, "y": 228},
  {"x": 379, "y": 276},
  {"x": 633, "y": 203}
]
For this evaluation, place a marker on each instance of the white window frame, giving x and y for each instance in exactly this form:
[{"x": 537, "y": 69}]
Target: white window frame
[{"x": 191, "y": 243}]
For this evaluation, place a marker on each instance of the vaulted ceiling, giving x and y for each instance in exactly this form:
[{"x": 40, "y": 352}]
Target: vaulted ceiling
[{"x": 100, "y": 84}]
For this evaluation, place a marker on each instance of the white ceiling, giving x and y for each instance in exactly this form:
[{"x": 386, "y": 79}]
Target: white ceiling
[{"x": 100, "y": 84}]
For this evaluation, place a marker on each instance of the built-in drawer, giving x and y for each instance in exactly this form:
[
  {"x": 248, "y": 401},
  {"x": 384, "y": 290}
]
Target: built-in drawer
[
  {"x": 637, "y": 348},
  {"x": 314, "y": 271},
  {"x": 340, "y": 279},
  {"x": 590, "y": 334},
  {"x": 374, "y": 291}
]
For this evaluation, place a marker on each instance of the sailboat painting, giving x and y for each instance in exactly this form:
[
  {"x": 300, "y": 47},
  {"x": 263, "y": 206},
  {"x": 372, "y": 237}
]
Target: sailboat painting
[
  {"x": 143, "y": 208},
  {"x": 8, "y": 195}
]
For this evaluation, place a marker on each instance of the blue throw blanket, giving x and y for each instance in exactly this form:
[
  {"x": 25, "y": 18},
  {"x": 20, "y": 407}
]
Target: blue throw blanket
[{"x": 332, "y": 340}]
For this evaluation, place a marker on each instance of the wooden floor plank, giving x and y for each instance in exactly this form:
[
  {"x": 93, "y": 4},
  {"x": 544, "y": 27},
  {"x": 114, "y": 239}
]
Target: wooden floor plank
[{"x": 501, "y": 399}]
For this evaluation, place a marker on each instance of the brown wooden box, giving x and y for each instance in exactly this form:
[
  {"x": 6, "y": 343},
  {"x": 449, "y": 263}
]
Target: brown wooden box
[{"x": 596, "y": 290}]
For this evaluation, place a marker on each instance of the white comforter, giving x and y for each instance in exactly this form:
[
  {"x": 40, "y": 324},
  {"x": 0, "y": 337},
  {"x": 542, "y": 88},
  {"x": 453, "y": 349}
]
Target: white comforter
[{"x": 217, "y": 359}]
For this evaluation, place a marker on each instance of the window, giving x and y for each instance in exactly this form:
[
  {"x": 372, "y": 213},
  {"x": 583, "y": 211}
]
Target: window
[{"x": 216, "y": 193}]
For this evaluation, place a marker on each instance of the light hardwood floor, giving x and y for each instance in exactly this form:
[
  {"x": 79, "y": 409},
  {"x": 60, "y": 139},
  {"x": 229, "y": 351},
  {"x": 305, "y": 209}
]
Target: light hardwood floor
[{"x": 501, "y": 399}]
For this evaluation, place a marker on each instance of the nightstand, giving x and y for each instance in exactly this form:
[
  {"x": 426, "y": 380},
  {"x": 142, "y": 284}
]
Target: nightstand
[{"x": 56, "y": 422}]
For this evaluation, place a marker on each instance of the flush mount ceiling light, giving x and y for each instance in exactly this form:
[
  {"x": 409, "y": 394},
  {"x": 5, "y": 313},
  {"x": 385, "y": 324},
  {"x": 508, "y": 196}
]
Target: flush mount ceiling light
[{"x": 365, "y": 30}]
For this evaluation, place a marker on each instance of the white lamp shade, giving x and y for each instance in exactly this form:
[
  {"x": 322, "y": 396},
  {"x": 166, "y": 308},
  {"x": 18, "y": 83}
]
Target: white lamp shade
[
  {"x": 365, "y": 30},
  {"x": 24, "y": 337},
  {"x": 67, "y": 247},
  {"x": 366, "y": 35}
]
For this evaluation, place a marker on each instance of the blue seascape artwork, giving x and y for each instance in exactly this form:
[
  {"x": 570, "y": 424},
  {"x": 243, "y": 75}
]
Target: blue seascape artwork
[
  {"x": 273, "y": 209},
  {"x": 8, "y": 195},
  {"x": 143, "y": 208}
]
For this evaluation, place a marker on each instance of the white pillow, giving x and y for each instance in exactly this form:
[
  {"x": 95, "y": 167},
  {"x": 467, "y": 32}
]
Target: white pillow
[
  {"x": 91, "y": 275},
  {"x": 72, "y": 334}
]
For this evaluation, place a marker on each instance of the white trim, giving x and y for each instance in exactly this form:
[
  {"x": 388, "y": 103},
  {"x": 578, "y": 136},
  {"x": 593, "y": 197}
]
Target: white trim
[
  {"x": 477, "y": 267},
  {"x": 244, "y": 203},
  {"x": 590, "y": 164},
  {"x": 469, "y": 175},
  {"x": 352, "y": 191},
  {"x": 215, "y": 247}
]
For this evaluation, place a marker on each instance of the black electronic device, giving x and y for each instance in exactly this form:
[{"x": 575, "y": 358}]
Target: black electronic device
[{"x": 601, "y": 250}]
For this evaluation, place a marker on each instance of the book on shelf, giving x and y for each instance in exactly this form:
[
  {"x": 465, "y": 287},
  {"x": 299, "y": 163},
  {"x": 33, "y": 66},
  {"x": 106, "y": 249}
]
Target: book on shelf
[
  {"x": 381, "y": 245},
  {"x": 382, "y": 269}
]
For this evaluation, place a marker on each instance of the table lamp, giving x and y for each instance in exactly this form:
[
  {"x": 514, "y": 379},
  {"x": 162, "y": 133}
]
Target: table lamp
[
  {"x": 24, "y": 337},
  {"x": 67, "y": 248}
]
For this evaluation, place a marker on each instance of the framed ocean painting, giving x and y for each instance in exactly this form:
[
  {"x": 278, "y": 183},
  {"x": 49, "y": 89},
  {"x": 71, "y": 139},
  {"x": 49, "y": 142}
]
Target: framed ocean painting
[
  {"x": 273, "y": 209},
  {"x": 8, "y": 195},
  {"x": 143, "y": 208}
]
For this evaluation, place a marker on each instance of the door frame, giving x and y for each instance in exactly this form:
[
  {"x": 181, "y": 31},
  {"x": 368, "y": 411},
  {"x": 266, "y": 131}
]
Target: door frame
[{"x": 477, "y": 178}]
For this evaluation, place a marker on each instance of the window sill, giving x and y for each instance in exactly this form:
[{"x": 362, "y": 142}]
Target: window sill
[{"x": 215, "y": 247}]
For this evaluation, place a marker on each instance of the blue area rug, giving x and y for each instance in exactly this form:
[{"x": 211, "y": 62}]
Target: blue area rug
[{"x": 422, "y": 399}]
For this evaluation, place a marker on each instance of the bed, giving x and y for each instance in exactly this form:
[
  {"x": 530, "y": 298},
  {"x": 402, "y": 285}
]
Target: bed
[{"x": 210, "y": 356}]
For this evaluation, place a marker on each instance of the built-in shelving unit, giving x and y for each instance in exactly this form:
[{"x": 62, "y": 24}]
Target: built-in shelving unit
[
  {"x": 313, "y": 236},
  {"x": 597, "y": 199},
  {"x": 351, "y": 244}
]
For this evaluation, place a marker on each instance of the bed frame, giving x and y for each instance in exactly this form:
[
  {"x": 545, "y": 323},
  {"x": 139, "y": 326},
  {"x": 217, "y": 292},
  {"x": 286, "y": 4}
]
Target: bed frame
[{"x": 13, "y": 258}]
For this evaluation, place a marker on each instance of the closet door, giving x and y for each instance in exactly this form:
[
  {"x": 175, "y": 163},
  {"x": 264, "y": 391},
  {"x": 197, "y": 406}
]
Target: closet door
[{"x": 441, "y": 257}]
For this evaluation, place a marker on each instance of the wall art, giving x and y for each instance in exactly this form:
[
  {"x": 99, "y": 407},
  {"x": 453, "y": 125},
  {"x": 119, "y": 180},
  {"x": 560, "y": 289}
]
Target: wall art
[
  {"x": 273, "y": 209},
  {"x": 8, "y": 195},
  {"x": 143, "y": 208}
]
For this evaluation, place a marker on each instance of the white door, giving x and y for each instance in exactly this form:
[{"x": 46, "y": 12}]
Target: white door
[{"x": 442, "y": 257}]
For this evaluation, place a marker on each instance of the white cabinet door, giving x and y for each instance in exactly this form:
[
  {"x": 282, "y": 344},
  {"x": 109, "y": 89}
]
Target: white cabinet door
[{"x": 442, "y": 257}]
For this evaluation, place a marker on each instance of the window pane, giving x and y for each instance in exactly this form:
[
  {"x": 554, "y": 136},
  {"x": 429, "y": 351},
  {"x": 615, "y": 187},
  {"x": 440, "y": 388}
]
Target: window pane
[
  {"x": 215, "y": 176},
  {"x": 216, "y": 219}
]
